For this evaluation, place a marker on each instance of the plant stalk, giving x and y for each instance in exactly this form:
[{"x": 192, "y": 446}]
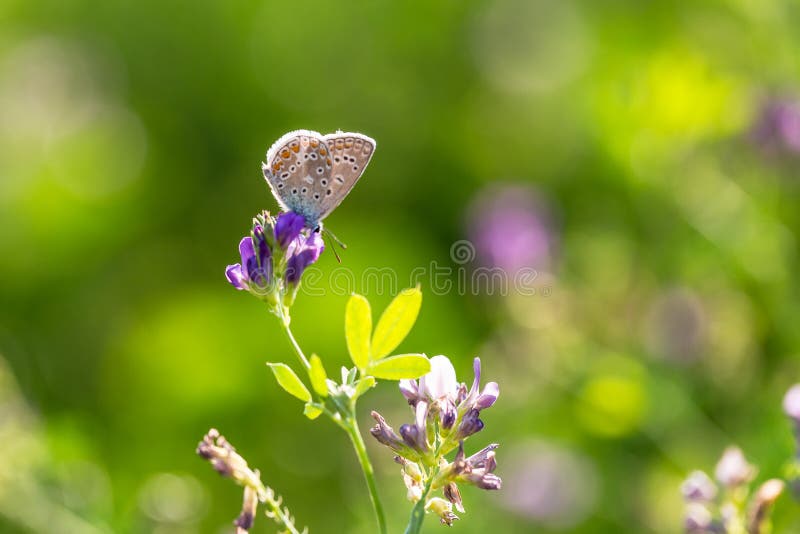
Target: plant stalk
[
  {"x": 418, "y": 512},
  {"x": 350, "y": 425},
  {"x": 361, "y": 451}
]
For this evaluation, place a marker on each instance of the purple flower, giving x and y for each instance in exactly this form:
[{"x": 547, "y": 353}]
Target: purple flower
[
  {"x": 778, "y": 126},
  {"x": 453, "y": 403},
  {"x": 733, "y": 470},
  {"x": 255, "y": 271},
  {"x": 791, "y": 403},
  {"x": 699, "y": 487},
  {"x": 415, "y": 435},
  {"x": 288, "y": 227},
  {"x": 477, "y": 470},
  {"x": 303, "y": 253},
  {"x": 481, "y": 400},
  {"x": 510, "y": 229},
  {"x": 274, "y": 257},
  {"x": 387, "y": 436}
]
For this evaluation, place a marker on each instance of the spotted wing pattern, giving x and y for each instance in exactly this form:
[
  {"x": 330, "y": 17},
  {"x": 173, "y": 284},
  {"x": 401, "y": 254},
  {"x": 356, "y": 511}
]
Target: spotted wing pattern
[
  {"x": 311, "y": 174},
  {"x": 297, "y": 164},
  {"x": 351, "y": 153}
]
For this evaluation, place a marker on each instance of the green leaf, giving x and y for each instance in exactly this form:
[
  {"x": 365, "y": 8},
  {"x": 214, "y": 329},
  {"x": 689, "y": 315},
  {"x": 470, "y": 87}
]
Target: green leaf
[
  {"x": 289, "y": 381},
  {"x": 358, "y": 329},
  {"x": 318, "y": 376},
  {"x": 312, "y": 411},
  {"x": 401, "y": 366},
  {"x": 364, "y": 385},
  {"x": 396, "y": 322}
]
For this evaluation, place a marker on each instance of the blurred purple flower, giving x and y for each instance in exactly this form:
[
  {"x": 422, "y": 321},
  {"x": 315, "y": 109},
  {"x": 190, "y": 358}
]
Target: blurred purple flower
[
  {"x": 510, "y": 229},
  {"x": 777, "y": 127},
  {"x": 699, "y": 487},
  {"x": 733, "y": 470},
  {"x": 549, "y": 484},
  {"x": 677, "y": 326},
  {"x": 791, "y": 403}
]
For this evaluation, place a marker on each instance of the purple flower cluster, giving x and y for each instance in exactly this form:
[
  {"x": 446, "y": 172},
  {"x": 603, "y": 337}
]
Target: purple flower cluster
[
  {"x": 439, "y": 394},
  {"x": 274, "y": 255},
  {"x": 713, "y": 509},
  {"x": 446, "y": 413}
]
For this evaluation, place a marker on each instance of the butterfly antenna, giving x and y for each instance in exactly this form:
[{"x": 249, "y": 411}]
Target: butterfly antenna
[
  {"x": 334, "y": 241},
  {"x": 338, "y": 241}
]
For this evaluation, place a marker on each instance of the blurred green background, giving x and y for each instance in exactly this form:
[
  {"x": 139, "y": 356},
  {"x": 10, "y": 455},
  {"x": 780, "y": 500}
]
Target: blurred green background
[{"x": 637, "y": 135}]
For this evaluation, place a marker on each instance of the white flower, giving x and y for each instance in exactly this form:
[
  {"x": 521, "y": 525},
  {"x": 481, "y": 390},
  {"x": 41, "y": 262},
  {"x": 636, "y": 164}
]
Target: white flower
[{"x": 440, "y": 383}]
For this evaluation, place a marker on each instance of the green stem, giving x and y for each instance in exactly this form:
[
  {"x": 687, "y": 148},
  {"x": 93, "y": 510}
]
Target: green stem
[
  {"x": 293, "y": 341},
  {"x": 418, "y": 512},
  {"x": 281, "y": 517},
  {"x": 361, "y": 451},
  {"x": 348, "y": 422}
]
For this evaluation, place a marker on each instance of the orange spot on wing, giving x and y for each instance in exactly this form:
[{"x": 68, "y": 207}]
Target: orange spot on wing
[
  {"x": 285, "y": 154},
  {"x": 295, "y": 148},
  {"x": 322, "y": 151}
]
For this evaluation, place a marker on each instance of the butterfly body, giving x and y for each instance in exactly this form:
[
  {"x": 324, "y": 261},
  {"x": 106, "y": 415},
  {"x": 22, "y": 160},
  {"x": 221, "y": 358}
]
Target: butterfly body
[{"x": 310, "y": 173}]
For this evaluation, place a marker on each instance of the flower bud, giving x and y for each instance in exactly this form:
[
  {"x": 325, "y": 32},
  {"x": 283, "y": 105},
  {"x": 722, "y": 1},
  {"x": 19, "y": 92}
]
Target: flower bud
[
  {"x": 698, "y": 520},
  {"x": 470, "y": 424},
  {"x": 247, "y": 517},
  {"x": 698, "y": 487},
  {"x": 791, "y": 403},
  {"x": 453, "y": 495},
  {"x": 386, "y": 434},
  {"x": 765, "y": 497},
  {"x": 733, "y": 470},
  {"x": 443, "y": 509}
]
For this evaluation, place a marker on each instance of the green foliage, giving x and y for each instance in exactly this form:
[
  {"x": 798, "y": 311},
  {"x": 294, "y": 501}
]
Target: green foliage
[
  {"x": 400, "y": 367},
  {"x": 396, "y": 322},
  {"x": 358, "y": 329},
  {"x": 128, "y": 176},
  {"x": 364, "y": 385},
  {"x": 312, "y": 410},
  {"x": 288, "y": 380},
  {"x": 318, "y": 376}
]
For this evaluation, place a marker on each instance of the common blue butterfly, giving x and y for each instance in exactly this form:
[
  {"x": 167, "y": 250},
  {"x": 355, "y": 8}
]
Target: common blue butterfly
[{"x": 310, "y": 173}]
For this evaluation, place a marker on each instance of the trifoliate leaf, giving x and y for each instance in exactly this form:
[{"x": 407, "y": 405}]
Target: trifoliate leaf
[
  {"x": 289, "y": 381},
  {"x": 400, "y": 367},
  {"x": 318, "y": 376},
  {"x": 358, "y": 329},
  {"x": 395, "y": 322},
  {"x": 312, "y": 411}
]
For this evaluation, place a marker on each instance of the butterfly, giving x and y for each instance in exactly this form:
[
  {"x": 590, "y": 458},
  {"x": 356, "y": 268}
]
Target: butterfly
[{"x": 310, "y": 173}]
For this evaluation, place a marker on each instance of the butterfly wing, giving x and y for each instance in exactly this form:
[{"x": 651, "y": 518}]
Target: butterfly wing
[
  {"x": 350, "y": 154},
  {"x": 297, "y": 166}
]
